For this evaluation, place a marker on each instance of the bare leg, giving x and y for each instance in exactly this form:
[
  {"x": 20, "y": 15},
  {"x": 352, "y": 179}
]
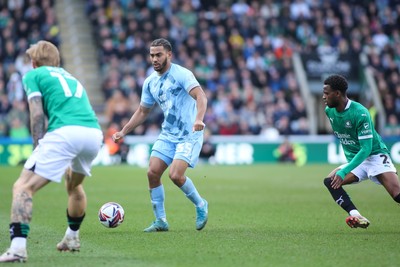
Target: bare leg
[
  {"x": 21, "y": 214},
  {"x": 155, "y": 171},
  {"x": 177, "y": 172},
  {"x": 75, "y": 211},
  {"x": 77, "y": 201},
  {"x": 23, "y": 190},
  {"x": 390, "y": 181}
]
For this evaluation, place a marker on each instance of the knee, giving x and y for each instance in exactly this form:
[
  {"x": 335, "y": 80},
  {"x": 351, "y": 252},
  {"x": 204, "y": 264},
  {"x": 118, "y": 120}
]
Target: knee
[
  {"x": 76, "y": 190},
  {"x": 73, "y": 181},
  {"x": 20, "y": 186},
  {"x": 17, "y": 187},
  {"x": 174, "y": 176},
  {"x": 153, "y": 176},
  {"x": 177, "y": 178}
]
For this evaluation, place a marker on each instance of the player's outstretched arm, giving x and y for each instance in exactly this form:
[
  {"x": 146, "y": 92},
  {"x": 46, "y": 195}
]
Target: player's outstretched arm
[{"x": 137, "y": 118}]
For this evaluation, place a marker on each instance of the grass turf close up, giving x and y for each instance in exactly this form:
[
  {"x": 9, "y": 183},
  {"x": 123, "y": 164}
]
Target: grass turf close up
[{"x": 260, "y": 215}]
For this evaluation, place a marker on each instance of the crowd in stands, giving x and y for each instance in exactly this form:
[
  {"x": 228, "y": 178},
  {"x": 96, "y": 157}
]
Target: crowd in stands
[
  {"x": 240, "y": 51},
  {"x": 21, "y": 24}
]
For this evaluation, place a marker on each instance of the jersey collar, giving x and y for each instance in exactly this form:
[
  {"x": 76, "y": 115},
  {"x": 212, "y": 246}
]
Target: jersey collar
[{"x": 348, "y": 104}]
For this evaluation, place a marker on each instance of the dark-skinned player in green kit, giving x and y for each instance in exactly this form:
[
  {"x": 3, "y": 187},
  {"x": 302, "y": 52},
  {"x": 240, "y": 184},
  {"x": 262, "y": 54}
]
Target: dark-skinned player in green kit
[{"x": 367, "y": 155}]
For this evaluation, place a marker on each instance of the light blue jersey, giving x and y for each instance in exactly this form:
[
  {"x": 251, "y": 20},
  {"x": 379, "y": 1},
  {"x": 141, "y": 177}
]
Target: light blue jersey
[{"x": 171, "y": 92}]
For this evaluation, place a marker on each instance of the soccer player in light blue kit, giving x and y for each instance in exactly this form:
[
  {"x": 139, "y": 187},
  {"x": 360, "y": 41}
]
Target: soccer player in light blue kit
[
  {"x": 367, "y": 155},
  {"x": 183, "y": 101}
]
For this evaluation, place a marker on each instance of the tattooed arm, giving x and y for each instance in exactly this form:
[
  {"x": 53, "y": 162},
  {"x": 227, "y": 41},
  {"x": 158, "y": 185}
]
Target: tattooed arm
[{"x": 38, "y": 119}]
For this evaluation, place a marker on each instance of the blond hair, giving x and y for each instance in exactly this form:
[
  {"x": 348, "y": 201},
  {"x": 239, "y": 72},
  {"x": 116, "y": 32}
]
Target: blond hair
[{"x": 44, "y": 53}]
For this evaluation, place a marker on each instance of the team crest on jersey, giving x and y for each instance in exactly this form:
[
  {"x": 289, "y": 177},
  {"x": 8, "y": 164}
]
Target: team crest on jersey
[
  {"x": 347, "y": 124},
  {"x": 366, "y": 125}
]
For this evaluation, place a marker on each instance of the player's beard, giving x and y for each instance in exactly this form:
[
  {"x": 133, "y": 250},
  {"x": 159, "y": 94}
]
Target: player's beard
[
  {"x": 161, "y": 66},
  {"x": 332, "y": 103}
]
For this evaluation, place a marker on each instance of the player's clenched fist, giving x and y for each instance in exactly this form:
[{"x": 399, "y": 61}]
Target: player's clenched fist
[
  {"x": 116, "y": 137},
  {"x": 198, "y": 125}
]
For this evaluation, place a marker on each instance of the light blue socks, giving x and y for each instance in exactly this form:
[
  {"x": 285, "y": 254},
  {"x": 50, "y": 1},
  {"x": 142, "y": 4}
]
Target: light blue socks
[
  {"x": 191, "y": 192},
  {"x": 157, "y": 196}
]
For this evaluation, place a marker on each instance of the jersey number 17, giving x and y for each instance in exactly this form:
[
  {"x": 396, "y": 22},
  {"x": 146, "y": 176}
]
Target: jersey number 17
[{"x": 65, "y": 86}]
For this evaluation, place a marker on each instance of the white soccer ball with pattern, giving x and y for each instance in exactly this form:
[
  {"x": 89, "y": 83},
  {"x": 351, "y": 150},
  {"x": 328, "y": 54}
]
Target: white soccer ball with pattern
[{"x": 111, "y": 214}]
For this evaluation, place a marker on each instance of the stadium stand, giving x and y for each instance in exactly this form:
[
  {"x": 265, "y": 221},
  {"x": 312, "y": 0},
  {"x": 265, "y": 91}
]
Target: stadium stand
[
  {"x": 78, "y": 48},
  {"x": 247, "y": 74},
  {"x": 21, "y": 23},
  {"x": 240, "y": 51}
]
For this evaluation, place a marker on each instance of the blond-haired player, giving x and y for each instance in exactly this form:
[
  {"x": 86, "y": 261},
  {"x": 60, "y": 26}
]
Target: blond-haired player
[{"x": 66, "y": 139}]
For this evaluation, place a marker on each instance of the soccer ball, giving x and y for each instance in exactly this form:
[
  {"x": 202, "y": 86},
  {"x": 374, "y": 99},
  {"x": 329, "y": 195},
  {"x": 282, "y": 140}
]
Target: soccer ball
[{"x": 111, "y": 214}]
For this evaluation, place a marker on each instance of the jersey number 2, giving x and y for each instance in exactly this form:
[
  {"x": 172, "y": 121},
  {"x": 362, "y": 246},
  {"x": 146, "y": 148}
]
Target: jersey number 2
[
  {"x": 65, "y": 86},
  {"x": 385, "y": 158}
]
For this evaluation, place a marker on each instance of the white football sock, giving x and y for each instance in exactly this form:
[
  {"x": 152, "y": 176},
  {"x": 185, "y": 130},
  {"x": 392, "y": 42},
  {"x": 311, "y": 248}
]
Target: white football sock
[
  {"x": 71, "y": 233},
  {"x": 354, "y": 213},
  {"x": 18, "y": 243}
]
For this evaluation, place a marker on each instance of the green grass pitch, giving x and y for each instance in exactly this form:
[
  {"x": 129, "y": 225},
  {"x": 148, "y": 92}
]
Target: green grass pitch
[{"x": 260, "y": 215}]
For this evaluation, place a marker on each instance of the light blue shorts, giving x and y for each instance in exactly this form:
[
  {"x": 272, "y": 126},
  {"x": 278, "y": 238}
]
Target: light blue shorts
[{"x": 187, "y": 151}]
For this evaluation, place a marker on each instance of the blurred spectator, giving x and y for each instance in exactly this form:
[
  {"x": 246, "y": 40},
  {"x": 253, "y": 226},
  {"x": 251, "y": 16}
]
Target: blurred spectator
[
  {"x": 113, "y": 148},
  {"x": 23, "y": 63},
  {"x": 117, "y": 108},
  {"x": 240, "y": 50},
  {"x": 15, "y": 90},
  {"x": 393, "y": 126},
  {"x": 208, "y": 149},
  {"x": 233, "y": 57},
  {"x": 18, "y": 129},
  {"x": 299, "y": 10},
  {"x": 21, "y": 23},
  {"x": 5, "y": 106},
  {"x": 285, "y": 152},
  {"x": 3, "y": 129}
]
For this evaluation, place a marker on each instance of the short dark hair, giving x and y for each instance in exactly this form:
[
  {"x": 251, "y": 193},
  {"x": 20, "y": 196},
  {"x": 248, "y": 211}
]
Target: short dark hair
[
  {"x": 162, "y": 42},
  {"x": 337, "y": 82}
]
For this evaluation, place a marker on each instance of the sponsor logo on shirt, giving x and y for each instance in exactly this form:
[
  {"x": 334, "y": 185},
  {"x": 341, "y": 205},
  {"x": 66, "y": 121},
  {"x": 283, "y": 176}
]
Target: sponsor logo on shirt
[
  {"x": 347, "y": 124},
  {"x": 345, "y": 139}
]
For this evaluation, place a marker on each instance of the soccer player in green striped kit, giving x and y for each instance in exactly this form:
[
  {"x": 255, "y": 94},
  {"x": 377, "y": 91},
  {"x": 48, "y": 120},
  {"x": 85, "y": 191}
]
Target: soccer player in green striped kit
[
  {"x": 367, "y": 155},
  {"x": 67, "y": 145}
]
